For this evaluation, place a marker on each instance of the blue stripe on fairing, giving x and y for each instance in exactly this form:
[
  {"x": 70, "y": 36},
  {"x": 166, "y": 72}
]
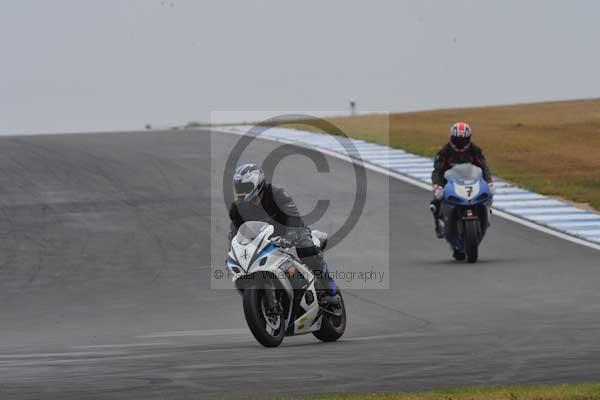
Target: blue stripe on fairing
[
  {"x": 265, "y": 251},
  {"x": 230, "y": 260}
]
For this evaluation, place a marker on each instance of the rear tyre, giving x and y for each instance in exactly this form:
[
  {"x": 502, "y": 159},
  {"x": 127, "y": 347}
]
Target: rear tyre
[
  {"x": 267, "y": 328},
  {"x": 472, "y": 240},
  {"x": 333, "y": 324}
]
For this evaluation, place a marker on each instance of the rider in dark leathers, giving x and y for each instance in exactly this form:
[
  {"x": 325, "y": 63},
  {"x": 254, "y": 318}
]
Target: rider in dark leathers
[
  {"x": 459, "y": 150},
  {"x": 273, "y": 205},
  {"x": 447, "y": 157}
]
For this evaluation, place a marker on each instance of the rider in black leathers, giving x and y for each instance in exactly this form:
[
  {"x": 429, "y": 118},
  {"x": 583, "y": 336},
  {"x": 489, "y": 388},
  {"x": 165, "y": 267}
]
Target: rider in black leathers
[{"x": 257, "y": 200}]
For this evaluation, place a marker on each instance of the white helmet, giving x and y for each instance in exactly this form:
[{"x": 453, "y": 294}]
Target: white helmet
[{"x": 248, "y": 182}]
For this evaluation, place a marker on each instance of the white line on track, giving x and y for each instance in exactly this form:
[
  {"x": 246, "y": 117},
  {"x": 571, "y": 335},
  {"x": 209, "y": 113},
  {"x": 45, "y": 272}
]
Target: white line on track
[
  {"x": 52, "y": 355},
  {"x": 204, "y": 332},
  {"x": 122, "y": 345},
  {"x": 53, "y": 361},
  {"x": 390, "y": 336}
]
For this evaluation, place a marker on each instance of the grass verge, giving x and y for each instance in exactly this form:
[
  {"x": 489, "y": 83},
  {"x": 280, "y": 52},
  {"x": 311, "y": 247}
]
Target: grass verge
[
  {"x": 552, "y": 148},
  {"x": 554, "y": 392}
]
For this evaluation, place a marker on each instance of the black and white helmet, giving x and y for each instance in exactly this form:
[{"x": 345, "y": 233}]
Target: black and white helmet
[{"x": 248, "y": 182}]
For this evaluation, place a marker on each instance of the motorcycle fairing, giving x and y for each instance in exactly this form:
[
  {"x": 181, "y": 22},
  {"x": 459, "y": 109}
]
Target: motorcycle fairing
[
  {"x": 246, "y": 251},
  {"x": 247, "y": 254},
  {"x": 465, "y": 191}
]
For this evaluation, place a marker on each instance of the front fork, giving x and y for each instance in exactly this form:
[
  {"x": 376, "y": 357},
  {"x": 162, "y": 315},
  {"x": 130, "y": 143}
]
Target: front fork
[
  {"x": 457, "y": 228},
  {"x": 483, "y": 219},
  {"x": 272, "y": 305}
]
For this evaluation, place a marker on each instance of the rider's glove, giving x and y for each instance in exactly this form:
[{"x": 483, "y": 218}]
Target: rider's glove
[
  {"x": 287, "y": 240},
  {"x": 438, "y": 192},
  {"x": 492, "y": 188}
]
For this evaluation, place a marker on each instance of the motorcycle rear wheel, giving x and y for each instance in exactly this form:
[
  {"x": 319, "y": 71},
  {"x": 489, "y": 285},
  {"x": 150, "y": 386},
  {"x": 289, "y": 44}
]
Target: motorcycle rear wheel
[{"x": 333, "y": 324}]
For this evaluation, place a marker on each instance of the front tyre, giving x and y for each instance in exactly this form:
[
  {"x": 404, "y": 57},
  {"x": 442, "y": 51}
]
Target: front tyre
[
  {"x": 333, "y": 324},
  {"x": 472, "y": 240},
  {"x": 267, "y": 327}
]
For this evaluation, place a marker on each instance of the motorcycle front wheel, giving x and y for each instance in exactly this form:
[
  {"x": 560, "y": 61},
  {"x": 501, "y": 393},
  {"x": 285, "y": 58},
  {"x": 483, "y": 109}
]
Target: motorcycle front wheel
[
  {"x": 472, "y": 240},
  {"x": 267, "y": 327}
]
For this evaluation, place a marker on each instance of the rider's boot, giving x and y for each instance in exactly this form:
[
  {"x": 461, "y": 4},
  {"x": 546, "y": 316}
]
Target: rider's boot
[
  {"x": 439, "y": 229},
  {"x": 326, "y": 287},
  {"x": 458, "y": 255}
]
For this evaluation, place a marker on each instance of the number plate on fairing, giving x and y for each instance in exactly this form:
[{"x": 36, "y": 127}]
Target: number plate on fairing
[{"x": 468, "y": 192}]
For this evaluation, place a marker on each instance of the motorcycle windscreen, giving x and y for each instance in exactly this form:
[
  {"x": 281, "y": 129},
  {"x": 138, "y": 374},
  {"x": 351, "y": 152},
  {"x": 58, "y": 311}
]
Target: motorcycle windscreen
[
  {"x": 464, "y": 173},
  {"x": 249, "y": 231}
]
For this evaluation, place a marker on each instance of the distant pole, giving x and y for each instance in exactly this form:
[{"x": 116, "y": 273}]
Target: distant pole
[{"x": 352, "y": 107}]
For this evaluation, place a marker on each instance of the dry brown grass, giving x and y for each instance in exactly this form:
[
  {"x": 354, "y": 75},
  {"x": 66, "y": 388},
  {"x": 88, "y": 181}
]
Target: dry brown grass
[{"x": 552, "y": 148}]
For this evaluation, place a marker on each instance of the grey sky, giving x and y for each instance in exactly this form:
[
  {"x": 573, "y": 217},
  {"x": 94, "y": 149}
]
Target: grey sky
[{"x": 108, "y": 64}]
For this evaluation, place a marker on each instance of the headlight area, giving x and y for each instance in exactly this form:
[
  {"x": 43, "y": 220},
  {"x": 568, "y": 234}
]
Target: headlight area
[
  {"x": 454, "y": 200},
  {"x": 233, "y": 266},
  {"x": 483, "y": 197}
]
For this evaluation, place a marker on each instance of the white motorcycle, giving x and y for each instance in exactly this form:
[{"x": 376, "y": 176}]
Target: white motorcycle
[{"x": 278, "y": 291}]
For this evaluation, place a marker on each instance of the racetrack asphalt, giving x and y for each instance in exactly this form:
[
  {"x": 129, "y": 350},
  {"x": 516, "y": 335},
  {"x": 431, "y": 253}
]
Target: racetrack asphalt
[{"x": 105, "y": 292}]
